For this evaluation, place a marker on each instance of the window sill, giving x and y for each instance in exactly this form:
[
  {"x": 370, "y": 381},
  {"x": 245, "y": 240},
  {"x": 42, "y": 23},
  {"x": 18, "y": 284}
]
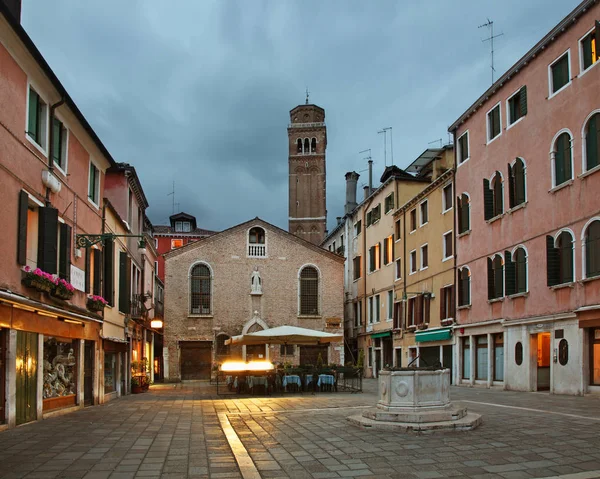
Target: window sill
[
  {"x": 194, "y": 316},
  {"x": 60, "y": 170},
  {"x": 517, "y": 208},
  {"x": 590, "y": 278},
  {"x": 519, "y": 295},
  {"x": 495, "y": 300},
  {"x": 464, "y": 233},
  {"x": 490, "y": 141},
  {"x": 552, "y": 95},
  {"x": 423, "y": 268},
  {"x": 515, "y": 122},
  {"x": 561, "y": 186},
  {"x": 448, "y": 210},
  {"x": 412, "y": 272},
  {"x": 466, "y": 306},
  {"x": 563, "y": 285},
  {"x": 423, "y": 224},
  {"x": 591, "y": 171},
  {"x": 309, "y": 316},
  {"x": 495, "y": 218},
  {"x": 588, "y": 69},
  {"x": 38, "y": 147},
  {"x": 460, "y": 163},
  {"x": 411, "y": 328},
  {"x": 411, "y": 232},
  {"x": 92, "y": 203},
  {"x": 447, "y": 258},
  {"x": 447, "y": 321}
]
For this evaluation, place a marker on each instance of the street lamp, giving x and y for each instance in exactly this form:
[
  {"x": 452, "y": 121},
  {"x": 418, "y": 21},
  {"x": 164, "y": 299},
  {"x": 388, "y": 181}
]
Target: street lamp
[{"x": 85, "y": 241}]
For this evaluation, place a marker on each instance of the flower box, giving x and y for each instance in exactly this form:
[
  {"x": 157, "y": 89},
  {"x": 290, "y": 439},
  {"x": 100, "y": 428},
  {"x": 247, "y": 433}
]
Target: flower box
[
  {"x": 63, "y": 290},
  {"x": 96, "y": 303},
  {"x": 38, "y": 279}
]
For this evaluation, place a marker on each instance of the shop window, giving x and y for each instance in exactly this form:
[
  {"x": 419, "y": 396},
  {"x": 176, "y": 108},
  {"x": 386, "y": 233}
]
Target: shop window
[
  {"x": 110, "y": 372},
  {"x": 481, "y": 357},
  {"x": 60, "y": 369},
  {"x": 499, "y": 357},
  {"x": 519, "y": 353},
  {"x": 466, "y": 364},
  {"x": 563, "y": 352},
  {"x": 595, "y": 356}
]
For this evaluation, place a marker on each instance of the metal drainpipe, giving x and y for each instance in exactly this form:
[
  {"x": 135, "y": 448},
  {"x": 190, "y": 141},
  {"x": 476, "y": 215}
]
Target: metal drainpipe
[
  {"x": 404, "y": 261},
  {"x": 50, "y": 144},
  {"x": 369, "y": 201},
  {"x": 455, "y": 225}
]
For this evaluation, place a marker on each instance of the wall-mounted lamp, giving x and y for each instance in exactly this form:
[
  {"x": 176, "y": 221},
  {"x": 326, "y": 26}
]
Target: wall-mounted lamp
[{"x": 156, "y": 324}]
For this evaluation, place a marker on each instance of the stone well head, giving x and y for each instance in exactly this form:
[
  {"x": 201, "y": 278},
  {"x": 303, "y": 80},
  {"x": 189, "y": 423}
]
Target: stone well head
[{"x": 413, "y": 388}]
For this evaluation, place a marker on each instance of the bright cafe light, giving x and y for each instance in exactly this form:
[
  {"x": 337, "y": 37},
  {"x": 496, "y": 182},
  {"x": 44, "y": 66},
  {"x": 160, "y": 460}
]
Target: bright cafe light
[
  {"x": 251, "y": 366},
  {"x": 156, "y": 324}
]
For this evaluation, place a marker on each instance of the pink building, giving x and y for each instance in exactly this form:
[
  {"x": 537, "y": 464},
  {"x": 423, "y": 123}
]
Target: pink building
[{"x": 528, "y": 219}]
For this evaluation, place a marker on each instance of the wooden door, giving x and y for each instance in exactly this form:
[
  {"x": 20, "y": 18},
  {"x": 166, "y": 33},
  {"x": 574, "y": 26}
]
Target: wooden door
[
  {"x": 88, "y": 374},
  {"x": 196, "y": 359},
  {"x": 27, "y": 359}
]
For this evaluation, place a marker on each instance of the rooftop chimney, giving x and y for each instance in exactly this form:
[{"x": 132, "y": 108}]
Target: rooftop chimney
[
  {"x": 351, "y": 181},
  {"x": 370, "y": 176},
  {"x": 367, "y": 191},
  {"x": 14, "y": 7}
]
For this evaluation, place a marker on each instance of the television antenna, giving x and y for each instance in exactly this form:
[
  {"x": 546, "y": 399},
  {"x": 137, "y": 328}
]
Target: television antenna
[
  {"x": 490, "y": 25},
  {"x": 173, "y": 195}
]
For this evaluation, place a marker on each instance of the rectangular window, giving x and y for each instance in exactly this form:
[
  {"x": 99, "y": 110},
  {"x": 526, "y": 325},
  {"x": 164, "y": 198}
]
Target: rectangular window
[
  {"x": 178, "y": 226},
  {"x": 37, "y": 118},
  {"x": 356, "y": 266},
  {"x": 481, "y": 356},
  {"x": 413, "y": 220},
  {"x": 176, "y": 243},
  {"x": 370, "y": 311},
  {"x": 424, "y": 212},
  {"x": 130, "y": 210},
  {"x": 410, "y": 318},
  {"x": 94, "y": 184},
  {"x": 466, "y": 363},
  {"x": 376, "y": 214},
  {"x": 424, "y": 258},
  {"x": 377, "y": 308},
  {"x": 517, "y": 105},
  {"x": 498, "y": 356},
  {"x": 369, "y": 218},
  {"x": 358, "y": 313},
  {"x": 447, "y": 198},
  {"x": 156, "y": 268},
  {"x": 388, "y": 250},
  {"x": 398, "y": 230},
  {"x": 186, "y": 227},
  {"x": 446, "y": 302},
  {"x": 399, "y": 268},
  {"x": 448, "y": 237},
  {"x": 59, "y": 144},
  {"x": 389, "y": 203},
  {"x": 463, "y": 148},
  {"x": 560, "y": 73},
  {"x": 413, "y": 261},
  {"x": 494, "y": 127},
  {"x": 390, "y": 305},
  {"x": 357, "y": 227},
  {"x": 589, "y": 49}
]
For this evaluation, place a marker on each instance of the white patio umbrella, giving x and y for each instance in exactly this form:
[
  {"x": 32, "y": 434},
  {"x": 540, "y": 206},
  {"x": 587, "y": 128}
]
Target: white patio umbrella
[{"x": 286, "y": 335}]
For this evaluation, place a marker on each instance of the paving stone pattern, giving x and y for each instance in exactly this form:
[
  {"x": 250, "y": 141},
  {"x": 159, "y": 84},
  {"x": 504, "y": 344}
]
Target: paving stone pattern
[{"x": 174, "y": 432}]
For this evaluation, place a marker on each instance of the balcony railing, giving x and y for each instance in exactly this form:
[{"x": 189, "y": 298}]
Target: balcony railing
[
  {"x": 159, "y": 309},
  {"x": 137, "y": 310},
  {"x": 257, "y": 250},
  {"x": 306, "y": 125}
]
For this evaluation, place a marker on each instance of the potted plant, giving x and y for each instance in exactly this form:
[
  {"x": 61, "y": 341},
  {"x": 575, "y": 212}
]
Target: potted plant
[
  {"x": 38, "y": 279},
  {"x": 96, "y": 303},
  {"x": 136, "y": 385},
  {"x": 63, "y": 289}
]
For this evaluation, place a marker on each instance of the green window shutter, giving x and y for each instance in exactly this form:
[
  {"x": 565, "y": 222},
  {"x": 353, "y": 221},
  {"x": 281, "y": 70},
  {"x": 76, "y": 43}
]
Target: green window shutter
[
  {"x": 371, "y": 259},
  {"x": 87, "y": 270},
  {"x": 452, "y": 312},
  {"x": 587, "y": 51},
  {"x": 552, "y": 262},
  {"x": 442, "y": 297},
  {"x": 64, "y": 264},
  {"x": 509, "y": 273},
  {"x": 48, "y": 240},
  {"x": 488, "y": 200},
  {"x": 22, "y": 229},
  {"x": 56, "y": 141},
  {"x": 511, "y": 186},
  {"x": 109, "y": 275},
  {"x": 380, "y": 254},
  {"x": 592, "y": 250},
  {"x": 592, "y": 139},
  {"x": 97, "y": 257},
  {"x": 523, "y": 99},
  {"x": 567, "y": 157},
  {"x": 32, "y": 124},
  {"x": 498, "y": 278},
  {"x": 519, "y": 182},
  {"x": 490, "y": 274},
  {"x": 559, "y": 161},
  {"x": 521, "y": 273},
  {"x": 566, "y": 258},
  {"x": 123, "y": 283},
  {"x": 466, "y": 206},
  {"x": 459, "y": 208}
]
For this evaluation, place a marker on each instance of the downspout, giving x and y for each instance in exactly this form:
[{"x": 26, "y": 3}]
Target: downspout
[
  {"x": 51, "y": 145},
  {"x": 404, "y": 261},
  {"x": 364, "y": 218},
  {"x": 454, "y": 239}
]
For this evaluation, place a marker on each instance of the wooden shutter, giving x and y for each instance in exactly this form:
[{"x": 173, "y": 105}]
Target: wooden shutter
[
  {"x": 509, "y": 274},
  {"x": 523, "y": 101},
  {"x": 597, "y": 35},
  {"x": 490, "y": 275},
  {"x": 559, "y": 161},
  {"x": 488, "y": 200},
  {"x": 56, "y": 143},
  {"x": 87, "y": 270},
  {"x": 592, "y": 139},
  {"x": 371, "y": 259},
  {"x": 34, "y": 100},
  {"x": 380, "y": 254},
  {"x": 385, "y": 251},
  {"x": 97, "y": 258},
  {"x": 443, "y": 311},
  {"x": 519, "y": 181},
  {"x": 566, "y": 259},
  {"x": 511, "y": 185},
  {"x": 498, "y": 199},
  {"x": 64, "y": 269},
  {"x": 426, "y": 308},
  {"x": 452, "y": 312},
  {"x": 48, "y": 240},
  {"x": 123, "y": 290},
  {"x": 109, "y": 274},
  {"x": 552, "y": 262},
  {"x": 466, "y": 208},
  {"x": 419, "y": 309},
  {"x": 459, "y": 207},
  {"x": 567, "y": 157},
  {"x": 22, "y": 228}
]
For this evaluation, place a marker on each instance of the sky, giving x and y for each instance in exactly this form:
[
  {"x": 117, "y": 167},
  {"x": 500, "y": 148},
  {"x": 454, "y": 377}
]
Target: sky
[{"x": 198, "y": 93}]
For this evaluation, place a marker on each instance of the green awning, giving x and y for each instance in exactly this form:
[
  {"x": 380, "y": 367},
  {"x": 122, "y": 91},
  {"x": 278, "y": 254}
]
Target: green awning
[
  {"x": 434, "y": 335},
  {"x": 383, "y": 334}
]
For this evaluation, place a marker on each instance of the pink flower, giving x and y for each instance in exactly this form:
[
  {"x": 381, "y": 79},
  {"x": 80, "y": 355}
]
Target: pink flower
[{"x": 27, "y": 269}]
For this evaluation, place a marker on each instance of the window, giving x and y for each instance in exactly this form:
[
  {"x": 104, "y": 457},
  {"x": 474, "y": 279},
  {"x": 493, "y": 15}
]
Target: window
[
  {"x": 517, "y": 106},
  {"x": 357, "y": 262},
  {"x": 256, "y": 243},
  {"x": 463, "y": 148},
  {"x": 418, "y": 309},
  {"x": 560, "y": 73},
  {"x": 447, "y": 302},
  {"x": 464, "y": 286},
  {"x": 357, "y": 227},
  {"x": 592, "y": 142},
  {"x": 37, "y": 113},
  {"x": 493, "y": 196},
  {"x": 306, "y": 146},
  {"x": 299, "y": 145},
  {"x": 94, "y": 184},
  {"x": 370, "y": 311},
  {"x": 495, "y": 277},
  {"x": 413, "y": 261},
  {"x": 388, "y": 250},
  {"x": 178, "y": 225},
  {"x": 186, "y": 227},
  {"x": 519, "y": 353},
  {"x": 375, "y": 257},
  {"x": 399, "y": 268},
  {"x": 313, "y": 145},
  {"x": 424, "y": 212},
  {"x": 589, "y": 48},
  {"x": 376, "y": 214},
  {"x": 515, "y": 271},
  {"x": 447, "y": 244},
  {"x": 389, "y": 202},
  {"x": 398, "y": 230},
  {"x": 390, "y": 305},
  {"x": 398, "y": 317},
  {"x": 559, "y": 259},
  {"x": 200, "y": 290},
  {"x": 59, "y": 144},
  {"x": 563, "y": 352},
  {"x": 562, "y": 159},
  {"x": 466, "y": 363},
  {"x": 424, "y": 258},
  {"x": 413, "y": 220},
  {"x": 309, "y": 291},
  {"x": 447, "y": 196},
  {"x": 463, "y": 213},
  {"x": 516, "y": 183},
  {"x": 591, "y": 246},
  {"x": 377, "y": 308},
  {"x": 176, "y": 243},
  {"x": 481, "y": 357},
  {"x": 156, "y": 268},
  {"x": 494, "y": 123},
  {"x": 286, "y": 349}
]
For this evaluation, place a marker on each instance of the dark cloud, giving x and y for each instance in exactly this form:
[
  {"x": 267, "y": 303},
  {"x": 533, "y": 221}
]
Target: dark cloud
[{"x": 199, "y": 92}]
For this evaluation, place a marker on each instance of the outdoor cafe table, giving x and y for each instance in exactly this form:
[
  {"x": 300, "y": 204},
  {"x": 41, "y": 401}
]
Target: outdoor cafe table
[
  {"x": 323, "y": 379},
  {"x": 291, "y": 379},
  {"x": 256, "y": 381}
]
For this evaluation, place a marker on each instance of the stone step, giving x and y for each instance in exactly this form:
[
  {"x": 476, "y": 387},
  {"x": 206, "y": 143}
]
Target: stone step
[
  {"x": 468, "y": 422},
  {"x": 422, "y": 416}
]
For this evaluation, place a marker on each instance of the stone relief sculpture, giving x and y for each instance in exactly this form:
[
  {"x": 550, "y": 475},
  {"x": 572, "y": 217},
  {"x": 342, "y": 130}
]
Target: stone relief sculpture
[{"x": 256, "y": 282}]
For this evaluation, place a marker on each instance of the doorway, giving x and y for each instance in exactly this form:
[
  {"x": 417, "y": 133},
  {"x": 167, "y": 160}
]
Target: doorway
[
  {"x": 196, "y": 359},
  {"x": 543, "y": 361},
  {"x": 26, "y": 391},
  {"x": 310, "y": 355},
  {"x": 595, "y": 356},
  {"x": 88, "y": 373}
]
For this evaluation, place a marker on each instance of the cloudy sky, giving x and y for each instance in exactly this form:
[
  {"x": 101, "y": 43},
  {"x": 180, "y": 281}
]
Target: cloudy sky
[{"x": 199, "y": 92}]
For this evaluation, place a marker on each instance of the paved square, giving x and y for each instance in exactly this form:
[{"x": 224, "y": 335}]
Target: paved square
[{"x": 186, "y": 430}]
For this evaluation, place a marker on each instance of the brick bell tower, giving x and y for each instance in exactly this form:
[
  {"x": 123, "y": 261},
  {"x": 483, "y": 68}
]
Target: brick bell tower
[{"x": 307, "y": 138}]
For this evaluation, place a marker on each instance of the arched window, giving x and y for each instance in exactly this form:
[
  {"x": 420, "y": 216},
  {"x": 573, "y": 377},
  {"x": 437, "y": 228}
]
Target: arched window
[
  {"x": 516, "y": 183},
  {"x": 592, "y": 142},
  {"x": 591, "y": 245},
  {"x": 200, "y": 290},
  {"x": 562, "y": 158},
  {"x": 464, "y": 286},
  {"x": 313, "y": 145},
  {"x": 464, "y": 213},
  {"x": 495, "y": 277},
  {"x": 492, "y": 196},
  {"x": 309, "y": 291},
  {"x": 559, "y": 259},
  {"x": 498, "y": 188},
  {"x": 306, "y": 145},
  {"x": 256, "y": 242},
  {"x": 222, "y": 348},
  {"x": 515, "y": 271},
  {"x": 299, "y": 145}
]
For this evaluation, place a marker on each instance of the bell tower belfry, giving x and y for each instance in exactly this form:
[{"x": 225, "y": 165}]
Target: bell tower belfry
[{"x": 307, "y": 138}]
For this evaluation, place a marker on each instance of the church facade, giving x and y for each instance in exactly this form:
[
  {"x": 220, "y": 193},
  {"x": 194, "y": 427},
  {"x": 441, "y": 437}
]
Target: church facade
[{"x": 250, "y": 277}]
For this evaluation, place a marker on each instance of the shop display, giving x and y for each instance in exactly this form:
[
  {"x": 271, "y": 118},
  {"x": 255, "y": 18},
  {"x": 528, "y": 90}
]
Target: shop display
[{"x": 60, "y": 368}]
